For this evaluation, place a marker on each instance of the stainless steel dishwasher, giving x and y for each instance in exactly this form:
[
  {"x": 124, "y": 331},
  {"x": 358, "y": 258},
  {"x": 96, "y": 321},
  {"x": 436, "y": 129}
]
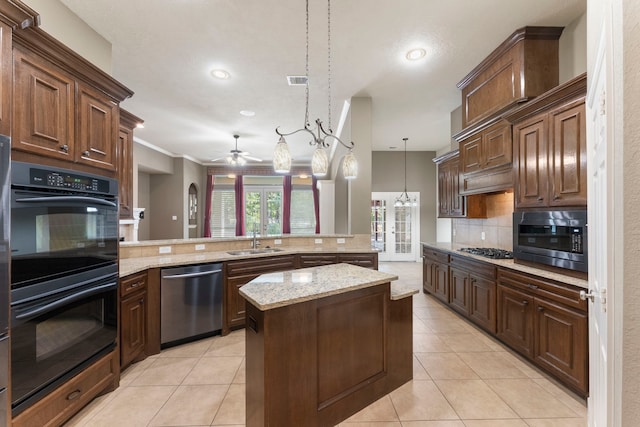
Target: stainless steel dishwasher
[{"x": 190, "y": 303}]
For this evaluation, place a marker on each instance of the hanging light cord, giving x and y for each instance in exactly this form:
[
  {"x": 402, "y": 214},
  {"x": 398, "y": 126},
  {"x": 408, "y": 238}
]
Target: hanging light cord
[{"x": 319, "y": 138}]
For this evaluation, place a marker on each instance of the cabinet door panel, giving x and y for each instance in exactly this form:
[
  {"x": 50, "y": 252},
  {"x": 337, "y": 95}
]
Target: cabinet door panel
[
  {"x": 459, "y": 290},
  {"x": 443, "y": 191},
  {"x": 43, "y": 108},
  {"x": 133, "y": 330},
  {"x": 441, "y": 282},
  {"x": 6, "y": 78},
  {"x": 97, "y": 127},
  {"x": 561, "y": 342},
  {"x": 531, "y": 188},
  {"x": 497, "y": 146},
  {"x": 427, "y": 275},
  {"x": 568, "y": 152},
  {"x": 471, "y": 154},
  {"x": 125, "y": 172},
  {"x": 235, "y": 304},
  {"x": 515, "y": 322},
  {"x": 456, "y": 201},
  {"x": 482, "y": 302}
]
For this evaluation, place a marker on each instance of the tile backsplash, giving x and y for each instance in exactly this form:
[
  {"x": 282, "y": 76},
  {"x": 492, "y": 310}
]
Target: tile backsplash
[{"x": 497, "y": 228}]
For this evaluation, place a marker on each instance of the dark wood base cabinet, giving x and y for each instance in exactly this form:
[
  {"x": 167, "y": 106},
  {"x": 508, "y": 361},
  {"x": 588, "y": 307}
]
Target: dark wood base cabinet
[
  {"x": 318, "y": 362},
  {"x": 546, "y": 322},
  {"x": 472, "y": 290},
  {"x": 133, "y": 318},
  {"x": 435, "y": 274},
  {"x": 60, "y": 405}
]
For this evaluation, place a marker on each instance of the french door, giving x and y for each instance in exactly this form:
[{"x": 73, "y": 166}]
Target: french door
[
  {"x": 263, "y": 210},
  {"x": 395, "y": 230}
]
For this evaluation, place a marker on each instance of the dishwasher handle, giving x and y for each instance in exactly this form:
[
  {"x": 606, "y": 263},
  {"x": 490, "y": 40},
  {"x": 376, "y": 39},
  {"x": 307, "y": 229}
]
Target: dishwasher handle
[{"x": 196, "y": 274}]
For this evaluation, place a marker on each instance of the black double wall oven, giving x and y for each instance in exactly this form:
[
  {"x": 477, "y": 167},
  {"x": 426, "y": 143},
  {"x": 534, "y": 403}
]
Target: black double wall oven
[{"x": 64, "y": 276}]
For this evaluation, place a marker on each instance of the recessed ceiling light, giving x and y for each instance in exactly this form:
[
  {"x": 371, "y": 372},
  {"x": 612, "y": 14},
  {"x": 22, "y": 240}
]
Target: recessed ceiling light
[
  {"x": 220, "y": 74},
  {"x": 248, "y": 113},
  {"x": 415, "y": 54}
]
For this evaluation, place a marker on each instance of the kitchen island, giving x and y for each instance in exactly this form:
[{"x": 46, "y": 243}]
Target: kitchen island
[{"x": 323, "y": 343}]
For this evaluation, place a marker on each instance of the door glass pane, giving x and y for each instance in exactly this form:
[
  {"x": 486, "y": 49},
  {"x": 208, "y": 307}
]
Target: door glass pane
[
  {"x": 403, "y": 230},
  {"x": 252, "y": 209},
  {"x": 274, "y": 210},
  {"x": 378, "y": 225}
]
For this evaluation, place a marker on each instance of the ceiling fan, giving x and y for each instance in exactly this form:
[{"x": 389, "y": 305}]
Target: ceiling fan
[{"x": 237, "y": 157}]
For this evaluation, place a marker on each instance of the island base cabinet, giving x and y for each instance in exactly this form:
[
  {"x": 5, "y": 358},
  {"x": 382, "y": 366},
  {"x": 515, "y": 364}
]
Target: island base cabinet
[{"x": 316, "y": 363}]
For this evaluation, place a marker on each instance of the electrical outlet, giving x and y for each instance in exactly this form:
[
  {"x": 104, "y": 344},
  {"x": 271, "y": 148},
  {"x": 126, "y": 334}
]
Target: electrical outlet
[
  {"x": 340, "y": 241},
  {"x": 174, "y": 218},
  {"x": 482, "y": 236},
  {"x": 164, "y": 249},
  {"x": 200, "y": 247},
  {"x": 277, "y": 241},
  {"x": 318, "y": 241}
]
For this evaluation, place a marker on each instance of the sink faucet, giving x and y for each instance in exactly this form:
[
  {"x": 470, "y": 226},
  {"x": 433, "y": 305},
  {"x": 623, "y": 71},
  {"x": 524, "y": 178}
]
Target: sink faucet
[{"x": 255, "y": 243}]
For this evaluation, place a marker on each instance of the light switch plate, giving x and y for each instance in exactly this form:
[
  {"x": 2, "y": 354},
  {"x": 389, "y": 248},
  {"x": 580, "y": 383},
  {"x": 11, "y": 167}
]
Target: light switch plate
[
  {"x": 482, "y": 235},
  {"x": 277, "y": 241},
  {"x": 200, "y": 247},
  {"x": 318, "y": 241},
  {"x": 340, "y": 240},
  {"x": 174, "y": 218},
  {"x": 164, "y": 249}
]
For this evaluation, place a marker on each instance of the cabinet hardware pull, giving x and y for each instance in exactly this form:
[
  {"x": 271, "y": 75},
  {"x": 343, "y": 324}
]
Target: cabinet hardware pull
[
  {"x": 540, "y": 198},
  {"x": 540, "y": 308},
  {"x": 556, "y": 197},
  {"x": 64, "y": 148},
  {"x": 530, "y": 286},
  {"x": 86, "y": 153},
  {"x": 135, "y": 285},
  {"x": 141, "y": 300},
  {"x": 74, "y": 394},
  {"x": 525, "y": 302}
]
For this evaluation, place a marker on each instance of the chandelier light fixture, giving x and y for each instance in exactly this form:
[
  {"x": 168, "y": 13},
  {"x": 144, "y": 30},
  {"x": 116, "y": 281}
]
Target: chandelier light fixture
[
  {"x": 320, "y": 137},
  {"x": 403, "y": 200}
]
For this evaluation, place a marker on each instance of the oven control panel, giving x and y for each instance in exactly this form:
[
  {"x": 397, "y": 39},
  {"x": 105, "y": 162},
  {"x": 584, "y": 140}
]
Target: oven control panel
[{"x": 66, "y": 180}]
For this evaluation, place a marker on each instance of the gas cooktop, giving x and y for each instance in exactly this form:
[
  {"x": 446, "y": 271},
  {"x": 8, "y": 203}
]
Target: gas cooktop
[{"x": 489, "y": 252}]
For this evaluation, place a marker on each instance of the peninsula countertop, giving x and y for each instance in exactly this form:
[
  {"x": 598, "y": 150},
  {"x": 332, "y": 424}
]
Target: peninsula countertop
[{"x": 274, "y": 290}]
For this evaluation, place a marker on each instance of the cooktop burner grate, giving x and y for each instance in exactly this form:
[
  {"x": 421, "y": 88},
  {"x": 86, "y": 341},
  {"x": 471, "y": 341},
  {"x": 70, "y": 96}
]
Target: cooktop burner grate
[{"x": 489, "y": 252}]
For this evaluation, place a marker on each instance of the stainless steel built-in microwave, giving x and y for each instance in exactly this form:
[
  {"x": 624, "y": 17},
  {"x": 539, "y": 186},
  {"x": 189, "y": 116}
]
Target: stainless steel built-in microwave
[{"x": 556, "y": 238}]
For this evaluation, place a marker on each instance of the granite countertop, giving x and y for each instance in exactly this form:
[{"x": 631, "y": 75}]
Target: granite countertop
[
  {"x": 133, "y": 265},
  {"x": 510, "y": 264},
  {"x": 274, "y": 290}
]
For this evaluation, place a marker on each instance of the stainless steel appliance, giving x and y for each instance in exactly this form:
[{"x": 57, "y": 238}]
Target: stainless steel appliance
[
  {"x": 555, "y": 238},
  {"x": 64, "y": 276},
  {"x": 190, "y": 303},
  {"x": 5, "y": 219}
]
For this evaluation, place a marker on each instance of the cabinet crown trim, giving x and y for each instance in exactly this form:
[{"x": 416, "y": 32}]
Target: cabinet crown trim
[
  {"x": 446, "y": 156},
  {"x": 569, "y": 91}
]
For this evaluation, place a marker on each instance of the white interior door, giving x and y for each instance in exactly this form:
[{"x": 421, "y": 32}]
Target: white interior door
[
  {"x": 395, "y": 231},
  {"x": 602, "y": 201}
]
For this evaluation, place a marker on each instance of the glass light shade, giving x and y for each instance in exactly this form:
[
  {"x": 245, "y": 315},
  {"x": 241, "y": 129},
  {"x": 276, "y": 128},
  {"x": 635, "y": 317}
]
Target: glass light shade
[
  {"x": 350, "y": 166},
  {"x": 319, "y": 162},
  {"x": 282, "y": 157}
]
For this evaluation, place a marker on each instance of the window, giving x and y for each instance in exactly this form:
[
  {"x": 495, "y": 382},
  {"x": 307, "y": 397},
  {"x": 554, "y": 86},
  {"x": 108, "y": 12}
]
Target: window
[
  {"x": 223, "y": 212},
  {"x": 303, "y": 218}
]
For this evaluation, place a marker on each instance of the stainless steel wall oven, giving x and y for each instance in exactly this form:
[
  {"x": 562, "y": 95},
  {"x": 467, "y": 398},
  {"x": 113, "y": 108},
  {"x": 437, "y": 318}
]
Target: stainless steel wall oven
[
  {"x": 555, "y": 238},
  {"x": 64, "y": 276}
]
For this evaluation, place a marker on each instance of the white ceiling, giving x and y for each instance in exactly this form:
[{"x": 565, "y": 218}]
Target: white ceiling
[{"x": 164, "y": 50}]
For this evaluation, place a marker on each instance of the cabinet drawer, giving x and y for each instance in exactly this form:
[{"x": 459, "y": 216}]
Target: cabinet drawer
[
  {"x": 477, "y": 268},
  {"x": 133, "y": 283},
  {"x": 362, "y": 260},
  {"x": 313, "y": 260},
  {"x": 259, "y": 266},
  {"x": 436, "y": 255},
  {"x": 64, "y": 402},
  {"x": 554, "y": 291}
]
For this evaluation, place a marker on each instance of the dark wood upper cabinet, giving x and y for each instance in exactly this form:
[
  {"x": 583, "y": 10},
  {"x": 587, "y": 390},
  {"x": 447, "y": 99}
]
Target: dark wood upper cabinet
[
  {"x": 97, "y": 129},
  {"x": 124, "y": 155},
  {"x": 522, "y": 67},
  {"x": 550, "y": 150},
  {"x": 451, "y": 204}
]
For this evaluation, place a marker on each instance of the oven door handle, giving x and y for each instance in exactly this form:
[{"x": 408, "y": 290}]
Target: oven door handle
[
  {"x": 67, "y": 199},
  {"x": 70, "y": 298},
  {"x": 196, "y": 274}
]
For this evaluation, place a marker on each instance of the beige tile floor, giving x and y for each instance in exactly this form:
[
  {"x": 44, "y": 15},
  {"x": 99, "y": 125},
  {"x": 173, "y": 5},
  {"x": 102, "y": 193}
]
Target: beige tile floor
[{"x": 462, "y": 378}]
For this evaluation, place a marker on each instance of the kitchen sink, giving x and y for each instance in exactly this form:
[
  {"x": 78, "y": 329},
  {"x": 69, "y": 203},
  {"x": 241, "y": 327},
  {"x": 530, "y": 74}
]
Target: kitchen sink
[{"x": 254, "y": 251}]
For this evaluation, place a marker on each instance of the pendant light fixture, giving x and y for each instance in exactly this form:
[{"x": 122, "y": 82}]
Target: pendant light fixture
[
  {"x": 403, "y": 200},
  {"x": 320, "y": 159}
]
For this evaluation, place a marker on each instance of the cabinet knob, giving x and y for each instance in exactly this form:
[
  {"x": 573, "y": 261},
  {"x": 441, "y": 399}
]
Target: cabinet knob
[
  {"x": 64, "y": 148},
  {"x": 525, "y": 302},
  {"x": 530, "y": 286},
  {"x": 86, "y": 153},
  {"x": 540, "y": 308},
  {"x": 556, "y": 197},
  {"x": 141, "y": 300},
  {"x": 540, "y": 198}
]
